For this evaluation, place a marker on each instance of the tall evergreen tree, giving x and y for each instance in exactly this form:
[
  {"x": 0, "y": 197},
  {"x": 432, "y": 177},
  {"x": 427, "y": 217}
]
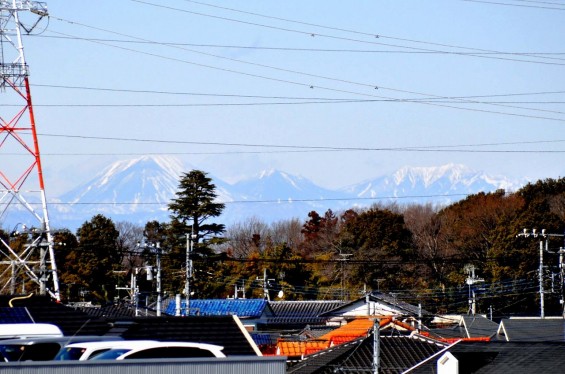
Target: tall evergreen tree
[
  {"x": 96, "y": 257},
  {"x": 191, "y": 211}
]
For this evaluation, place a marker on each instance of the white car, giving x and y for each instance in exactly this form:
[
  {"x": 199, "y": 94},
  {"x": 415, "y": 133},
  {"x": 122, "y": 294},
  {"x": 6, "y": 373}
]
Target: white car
[
  {"x": 87, "y": 350},
  {"x": 162, "y": 350}
]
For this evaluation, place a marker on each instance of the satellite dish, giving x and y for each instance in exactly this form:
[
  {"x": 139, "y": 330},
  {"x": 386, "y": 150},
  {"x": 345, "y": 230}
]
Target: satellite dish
[{"x": 280, "y": 294}]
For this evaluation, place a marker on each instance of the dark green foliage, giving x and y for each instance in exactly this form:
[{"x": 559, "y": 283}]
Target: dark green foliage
[
  {"x": 191, "y": 213},
  {"x": 92, "y": 263}
]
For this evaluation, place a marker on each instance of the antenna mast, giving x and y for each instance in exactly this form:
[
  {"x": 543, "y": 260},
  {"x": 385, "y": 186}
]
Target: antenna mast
[{"x": 18, "y": 142}]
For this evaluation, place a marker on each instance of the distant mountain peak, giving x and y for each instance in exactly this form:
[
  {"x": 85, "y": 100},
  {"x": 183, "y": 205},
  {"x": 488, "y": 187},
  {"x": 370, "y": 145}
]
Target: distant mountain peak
[
  {"x": 430, "y": 174},
  {"x": 139, "y": 190}
]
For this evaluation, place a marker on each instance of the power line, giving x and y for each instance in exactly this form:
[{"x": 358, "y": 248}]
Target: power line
[
  {"x": 434, "y": 148},
  {"x": 371, "y": 35},
  {"x": 311, "y": 86},
  {"x": 517, "y": 5},
  {"x": 295, "y": 49}
]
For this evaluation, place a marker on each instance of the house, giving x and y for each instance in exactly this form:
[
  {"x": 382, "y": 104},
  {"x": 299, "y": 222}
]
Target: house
[
  {"x": 497, "y": 357},
  {"x": 397, "y": 354},
  {"x": 252, "y": 311},
  {"x": 531, "y": 330},
  {"x": 467, "y": 327},
  {"x": 227, "y": 330},
  {"x": 375, "y": 304},
  {"x": 299, "y": 314}
]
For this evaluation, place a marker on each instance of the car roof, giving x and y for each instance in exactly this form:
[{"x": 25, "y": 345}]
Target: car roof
[
  {"x": 217, "y": 349},
  {"x": 22, "y": 330},
  {"x": 98, "y": 344},
  {"x": 65, "y": 340}
]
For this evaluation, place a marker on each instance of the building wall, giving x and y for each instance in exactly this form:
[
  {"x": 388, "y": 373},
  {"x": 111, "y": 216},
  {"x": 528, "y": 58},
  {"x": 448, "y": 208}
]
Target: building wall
[{"x": 230, "y": 365}]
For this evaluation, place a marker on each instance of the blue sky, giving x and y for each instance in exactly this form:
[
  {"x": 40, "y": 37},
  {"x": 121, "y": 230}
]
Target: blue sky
[{"x": 334, "y": 91}]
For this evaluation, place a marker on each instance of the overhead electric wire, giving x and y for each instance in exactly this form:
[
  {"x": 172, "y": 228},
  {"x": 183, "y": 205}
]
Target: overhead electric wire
[
  {"x": 313, "y": 34},
  {"x": 309, "y": 85},
  {"x": 239, "y": 46},
  {"x": 516, "y": 5},
  {"x": 436, "y": 148}
]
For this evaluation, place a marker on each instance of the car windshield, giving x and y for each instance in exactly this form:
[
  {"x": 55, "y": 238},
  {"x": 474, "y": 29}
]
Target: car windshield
[
  {"x": 111, "y": 354},
  {"x": 70, "y": 353}
]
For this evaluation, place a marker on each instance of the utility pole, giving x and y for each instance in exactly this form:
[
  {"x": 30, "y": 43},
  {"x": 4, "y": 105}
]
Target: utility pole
[
  {"x": 376, "y": 345},
  {"x": 149, "y": 270},
  {"x": 343, "y": 259},
  {"x": 544, "y": 236},
  {"x": 19, "y": 137},
  {"x": 471, "y": 280},
  {"x": 189, "y": 240},
  {"x": 265, "y": 283}
]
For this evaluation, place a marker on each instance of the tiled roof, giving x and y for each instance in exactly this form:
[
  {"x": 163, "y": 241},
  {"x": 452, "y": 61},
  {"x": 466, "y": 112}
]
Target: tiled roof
[
  {"x": 109, "y": 311},
  {"x": 243, "y": 308},
  {"x": 469, "y": 327},
  {"x": 397, "y": 354},
  {"x": 15, "y": 315},
  {"x": 263, "y": 339},
  {"x": 392, "y": 303},
  {"x": 397, "y": 303},
  {"x": 504, "y": 357},
  {"x": 43, "y": 309},
  {"x": 359, "y": 327},
  {"x": 532, "y": 330},
  {"x": 295, "y": 309},
  {"x": 299, "y": 349},
  {"x": 314, "y": 332},
  {"x": 226, "y": 331},
  {"x": 298, "y": 314}
]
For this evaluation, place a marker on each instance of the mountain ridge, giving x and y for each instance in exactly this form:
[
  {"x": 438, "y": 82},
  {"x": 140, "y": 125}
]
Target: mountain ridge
[{"x": 138, "y": 190}]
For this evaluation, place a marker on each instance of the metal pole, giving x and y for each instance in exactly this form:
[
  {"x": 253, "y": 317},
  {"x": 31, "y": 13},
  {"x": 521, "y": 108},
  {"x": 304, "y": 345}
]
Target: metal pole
[
  {"x": 158, "y": 280},
  {"x": 376, "y": 345},
  {"x": 541, "y": 294},
  {"x": 187, "y": 285}
]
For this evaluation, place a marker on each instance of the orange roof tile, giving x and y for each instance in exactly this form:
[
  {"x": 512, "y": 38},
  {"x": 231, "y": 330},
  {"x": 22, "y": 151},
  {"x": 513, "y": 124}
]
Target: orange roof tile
[
  {"x": 300, "y": 348},
  {"x": 358, "y": 327}
]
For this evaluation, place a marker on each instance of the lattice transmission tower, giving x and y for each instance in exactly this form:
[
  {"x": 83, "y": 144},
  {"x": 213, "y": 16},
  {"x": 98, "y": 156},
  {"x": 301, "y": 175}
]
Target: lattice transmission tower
[{"x": 27, "y": 254}]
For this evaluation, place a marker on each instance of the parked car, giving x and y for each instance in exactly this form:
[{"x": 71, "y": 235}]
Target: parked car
[
  {"x": 29, "y": 330},
  {"x": 163, "y": 350},
  {"x": 87, "y": 350},
  {"x": 43, "y": 348}
]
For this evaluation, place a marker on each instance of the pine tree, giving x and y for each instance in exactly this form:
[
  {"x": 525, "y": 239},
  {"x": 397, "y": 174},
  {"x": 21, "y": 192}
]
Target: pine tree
[{"x": 195, "y": 204}]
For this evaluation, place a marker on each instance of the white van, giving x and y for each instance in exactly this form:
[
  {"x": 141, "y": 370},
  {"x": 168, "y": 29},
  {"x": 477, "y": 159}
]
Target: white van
[
  {"x": 28, "y": 330},
  {"x": 87, "y": 350}
]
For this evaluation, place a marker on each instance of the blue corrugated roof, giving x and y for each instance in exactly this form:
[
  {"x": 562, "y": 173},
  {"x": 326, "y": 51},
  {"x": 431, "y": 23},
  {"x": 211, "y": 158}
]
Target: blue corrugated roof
[
  {"x": 14, "y": 315},
  {"x": 221, "y": 307}
]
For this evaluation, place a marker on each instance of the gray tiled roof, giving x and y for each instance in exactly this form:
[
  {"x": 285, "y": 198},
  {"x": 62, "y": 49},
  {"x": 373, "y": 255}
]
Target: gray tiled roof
[
  {"x": 42, "y": 309},
  {"x": 476, "y": 326},
  {"x": 300, "y": 313},
  {"x": 532, "y": 330},
  {"x": 397, "y": 354},
  {"x": 503, "y": 357}
]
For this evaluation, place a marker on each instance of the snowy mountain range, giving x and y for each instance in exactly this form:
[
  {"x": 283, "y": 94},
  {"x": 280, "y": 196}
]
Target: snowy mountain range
[{"x": 138, "y": 190}]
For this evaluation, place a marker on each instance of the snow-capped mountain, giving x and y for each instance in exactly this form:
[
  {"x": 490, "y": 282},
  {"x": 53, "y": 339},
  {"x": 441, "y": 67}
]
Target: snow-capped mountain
[
  {"x": 450, "y": 182},
  {"x": 139, "y": 190}
]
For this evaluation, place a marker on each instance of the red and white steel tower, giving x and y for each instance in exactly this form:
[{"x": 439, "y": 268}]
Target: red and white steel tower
[{"x": 21, "y": 176}]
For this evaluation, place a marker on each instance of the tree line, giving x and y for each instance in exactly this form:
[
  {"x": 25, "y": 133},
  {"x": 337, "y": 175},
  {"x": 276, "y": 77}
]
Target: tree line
[{"x": 422, "y": 253}]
